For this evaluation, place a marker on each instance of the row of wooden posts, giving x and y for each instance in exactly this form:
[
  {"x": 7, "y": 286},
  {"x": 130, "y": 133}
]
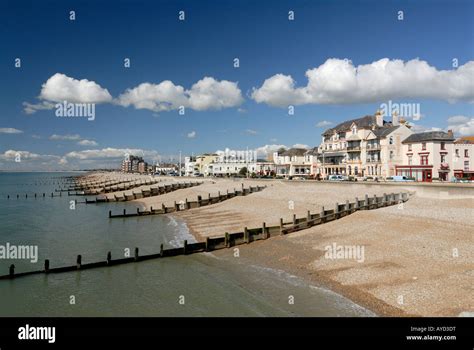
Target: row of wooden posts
[
  {"x": 35, "y": 195},
  {"x": 233, "y": 239},
  {"x": 107, "y": 184},
  {"x": 153, "y": 191},
  {"x": 115, "y": 188},
  {"x": 186, "y": 205}
]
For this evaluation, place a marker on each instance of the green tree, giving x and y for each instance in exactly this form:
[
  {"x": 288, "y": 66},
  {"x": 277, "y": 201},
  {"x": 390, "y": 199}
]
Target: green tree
[{"x": 243, "y": 171}]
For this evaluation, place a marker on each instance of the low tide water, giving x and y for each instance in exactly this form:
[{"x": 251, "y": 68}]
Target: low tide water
[{"x": 193, "y": 285}]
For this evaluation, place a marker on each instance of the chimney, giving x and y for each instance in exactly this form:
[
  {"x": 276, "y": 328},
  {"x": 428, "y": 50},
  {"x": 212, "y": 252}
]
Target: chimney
[
  {"x": 395, "y": 120},
  {"x": 379, "y": 118},
  {"x": 450, "y": 133}
]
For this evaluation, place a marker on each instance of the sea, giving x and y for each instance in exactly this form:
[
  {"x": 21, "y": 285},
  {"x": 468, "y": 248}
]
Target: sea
[{"x": 192, "y": 285}]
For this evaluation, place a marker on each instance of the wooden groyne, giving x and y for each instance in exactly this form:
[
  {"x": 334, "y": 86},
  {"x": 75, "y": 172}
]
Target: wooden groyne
[
  {"x": 232, "y": 239},
  {"x": 153, "y": 191},
  {"x": 117, "y": 188},
  {"x": 34, "y": 195},
  {"x": 186, "y": 205},
  {"x": 106, "y": 184}
]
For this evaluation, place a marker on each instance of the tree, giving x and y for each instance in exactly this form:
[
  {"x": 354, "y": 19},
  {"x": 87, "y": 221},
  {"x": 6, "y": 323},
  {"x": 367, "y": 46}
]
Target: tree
[{"x": 243, "y": 171}]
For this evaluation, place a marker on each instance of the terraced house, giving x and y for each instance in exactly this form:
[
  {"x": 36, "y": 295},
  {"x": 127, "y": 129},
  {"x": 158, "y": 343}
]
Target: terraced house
[
  {"x": 437, "y": 155},
  {"x": 367, "y": 146}
]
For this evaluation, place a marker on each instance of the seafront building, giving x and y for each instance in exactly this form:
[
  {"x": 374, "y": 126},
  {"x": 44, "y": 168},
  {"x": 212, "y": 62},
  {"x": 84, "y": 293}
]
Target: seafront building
[
  {"x": 363, "y": 147},
  {"x": 437, "y": 155},
  {"x": 298, "y": 162}
]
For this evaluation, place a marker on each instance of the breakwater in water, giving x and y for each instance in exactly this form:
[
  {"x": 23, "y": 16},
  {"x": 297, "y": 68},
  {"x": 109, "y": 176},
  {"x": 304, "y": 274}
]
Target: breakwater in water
[{"x": 246, "y": 236}]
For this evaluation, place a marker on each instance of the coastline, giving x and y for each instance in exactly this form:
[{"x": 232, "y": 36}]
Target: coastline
[{"x": 408, "y": 249}]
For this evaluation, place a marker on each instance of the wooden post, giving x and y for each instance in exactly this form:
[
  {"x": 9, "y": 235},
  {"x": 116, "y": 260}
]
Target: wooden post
[
  {"x": 138, "y": 211},
  {"x": 161, "y": 249},
  {"x": 218, "y": 196},
  {"x": 308, "y": 218},
  {"x": 136, "y": 253},
  {"x": 185, "y": 246},
  {"x": 336, "y": 210},
  {"x": 163, "y": 208},
  {"x": 294, "y": 219},
  {"x": 79, "y": 261},
  {"x": 264, "y": 231},
  {"x": 366, "y": 201},
  {"x": 125, "y": 212},
  {"x": 321, "y": 216},
  {"x": 151, "y": 209},
  {"x": 226, "y": 240},
  {"x": 246, "y": 235},
  {"x": 375, "y": 201},
  {"x": 207, "y": 244},
  {"x": 46, "y": 266},
  {"x": 199, "y": 199},
  {"x": 109, "y": 258},
  {"x": 356, "y": 203},
  {"x": 12, "y": 270},
  {"x": 281, "y": 226}
]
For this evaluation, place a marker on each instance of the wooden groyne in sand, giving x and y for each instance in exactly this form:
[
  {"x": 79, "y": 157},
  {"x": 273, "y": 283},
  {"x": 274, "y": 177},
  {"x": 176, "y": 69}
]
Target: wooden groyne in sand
[
  {"x": 151, "y": 192},
  {"x": 186, "y": 205},
  {"x": 232, "y": 239}
]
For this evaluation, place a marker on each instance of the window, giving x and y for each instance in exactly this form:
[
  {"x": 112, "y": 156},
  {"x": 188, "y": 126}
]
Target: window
[
  {"x": 443, "y": 158},
  {"x": 466, "y": 153},
  {"x": 457, "y": 152},
  {"x": 423, "y": 146},
  {"x": 410, "y": 160},
  {"x": 390, "y": 140},
  {"x": 354, "y": 130},
  {"x": 391, "y": 154},
  {"x": 443, "y": 146},
  {"x": 409, "y": 147},
  {"x": 424, "y": 160},
  {"x": 466, "y": 165}
]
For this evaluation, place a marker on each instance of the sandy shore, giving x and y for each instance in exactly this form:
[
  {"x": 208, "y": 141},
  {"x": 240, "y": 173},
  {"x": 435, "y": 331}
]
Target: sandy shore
[{"x": 418, "y": 257}]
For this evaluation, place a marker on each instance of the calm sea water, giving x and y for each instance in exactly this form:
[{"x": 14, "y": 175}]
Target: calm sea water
[{"x": 209, "y": 286}]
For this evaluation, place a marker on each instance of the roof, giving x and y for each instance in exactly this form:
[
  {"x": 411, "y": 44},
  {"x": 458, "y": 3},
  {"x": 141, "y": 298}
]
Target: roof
[
  {"x": 429, "y": 136},
  {"x": 294, "y": 152},
  {"x": 465, "y": 140},
  {"x": 385, "y": 131},
  {"x": 312, "y": 152},
  {"x": 366, "y": 122}
]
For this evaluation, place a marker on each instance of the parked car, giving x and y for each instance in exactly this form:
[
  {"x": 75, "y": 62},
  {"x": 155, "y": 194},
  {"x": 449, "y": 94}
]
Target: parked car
[
  {"x": 336, "y": 178},
  {"x": 400, "y": 178}
]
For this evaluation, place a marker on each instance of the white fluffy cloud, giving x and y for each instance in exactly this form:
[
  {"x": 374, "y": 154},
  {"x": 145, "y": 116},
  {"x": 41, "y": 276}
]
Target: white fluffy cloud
[
  {"x": 251, "y": 132},
  {"x": 338, "y": 81},
  {"x": 191, "y": 134},
  {"x": 461, "y": 125},
  {"x": 10, "y": 131},
  {"x": 206, "y": 94},
  {"x": 87, "y": 143},
  {"x": 268, "y": 150},
  {"x": 60, "y": 87},
  {"x": 12, "y": 155}
]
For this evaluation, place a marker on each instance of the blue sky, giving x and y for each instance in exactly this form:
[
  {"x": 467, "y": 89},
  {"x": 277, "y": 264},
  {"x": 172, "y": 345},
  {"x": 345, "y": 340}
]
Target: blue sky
[{"x": 161, "y": 47}]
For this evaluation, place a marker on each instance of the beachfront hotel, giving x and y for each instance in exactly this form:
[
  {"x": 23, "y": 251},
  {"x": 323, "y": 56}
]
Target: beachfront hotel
[{"x": 367, "y": 146}]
